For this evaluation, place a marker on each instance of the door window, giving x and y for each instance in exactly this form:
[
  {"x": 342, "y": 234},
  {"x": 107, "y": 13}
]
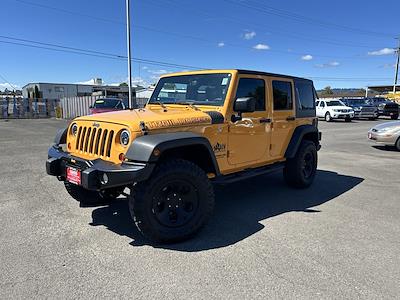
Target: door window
[
  {"x": 282, "y": 91},
  {"x": 251, "y": 87}
]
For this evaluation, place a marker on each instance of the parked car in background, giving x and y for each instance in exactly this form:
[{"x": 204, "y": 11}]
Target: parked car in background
[
  {"x": 362, "y": 108},
  {"x": 385, "y": 107},
  {"x": 107, "y": 104},
  {"x": 387, "y": 134},
  {"x": 333, "y": 109}
]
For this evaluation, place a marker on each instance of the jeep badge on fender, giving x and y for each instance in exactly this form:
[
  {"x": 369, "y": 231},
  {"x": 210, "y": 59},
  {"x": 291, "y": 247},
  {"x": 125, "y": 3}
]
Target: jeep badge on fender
[{"x": 198, "y": 128}]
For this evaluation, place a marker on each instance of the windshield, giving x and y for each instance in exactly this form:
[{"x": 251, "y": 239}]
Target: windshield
[
  {"x": 106, "y": 103},
  {"x": 202, "y": 89},
  {"x": 335, "y": 103}
]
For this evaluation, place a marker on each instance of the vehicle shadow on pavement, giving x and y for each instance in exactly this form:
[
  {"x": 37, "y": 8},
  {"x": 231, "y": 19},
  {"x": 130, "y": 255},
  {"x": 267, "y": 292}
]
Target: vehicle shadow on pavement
[
  {"x": 385, "y": 148},
  {"x": 239, "y": 209}
]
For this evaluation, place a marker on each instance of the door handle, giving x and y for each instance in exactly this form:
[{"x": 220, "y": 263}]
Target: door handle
[
  {"x": 290, "y": 118},
  {"x": 265, "y": 120}
]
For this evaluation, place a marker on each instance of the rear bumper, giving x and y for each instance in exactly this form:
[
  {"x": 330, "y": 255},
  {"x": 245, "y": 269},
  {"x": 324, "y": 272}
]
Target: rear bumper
[{"x": 93, "y": 172}]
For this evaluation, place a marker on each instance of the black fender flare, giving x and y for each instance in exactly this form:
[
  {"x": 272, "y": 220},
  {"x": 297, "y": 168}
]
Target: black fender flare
[
  {"x": 142, "y": 148},
  {"x": 61, "y": 136},
  {"x": 298, "y": 135}
]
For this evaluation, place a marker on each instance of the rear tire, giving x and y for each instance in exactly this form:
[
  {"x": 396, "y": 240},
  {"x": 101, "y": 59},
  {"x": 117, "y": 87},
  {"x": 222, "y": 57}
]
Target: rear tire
[
  {"x": 87, "y": 197},
  {"x": 174, "y": 203},
  {"x": 328, "y": 117},
  {"x": 300, "y": 171}
]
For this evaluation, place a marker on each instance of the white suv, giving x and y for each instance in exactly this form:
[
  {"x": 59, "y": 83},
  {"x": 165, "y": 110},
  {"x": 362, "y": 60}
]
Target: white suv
[{"x": 333, "y": 109}]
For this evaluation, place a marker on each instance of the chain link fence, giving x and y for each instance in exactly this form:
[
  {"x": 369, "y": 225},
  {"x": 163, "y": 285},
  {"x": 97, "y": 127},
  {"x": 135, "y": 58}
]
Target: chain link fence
[{"x": 23, "y": 108}]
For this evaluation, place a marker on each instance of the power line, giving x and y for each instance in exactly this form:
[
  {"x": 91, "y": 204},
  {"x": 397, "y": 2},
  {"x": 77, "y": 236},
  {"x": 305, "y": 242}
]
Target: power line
[
  {"x": 2, "y": 77},
  {"x": 66, "y": 49},
  {"x": 185, "y": 36},
  {"x": 300, "y": 18}
]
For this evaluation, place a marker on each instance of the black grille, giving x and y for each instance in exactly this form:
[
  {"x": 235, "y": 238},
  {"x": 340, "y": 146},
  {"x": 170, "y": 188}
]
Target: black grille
[{"x": 95, "y": 141}]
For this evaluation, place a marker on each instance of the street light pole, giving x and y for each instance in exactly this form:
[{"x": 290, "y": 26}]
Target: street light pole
[
  {"x": 128, "y": 40},
  {"x": 397, "y": 69}
]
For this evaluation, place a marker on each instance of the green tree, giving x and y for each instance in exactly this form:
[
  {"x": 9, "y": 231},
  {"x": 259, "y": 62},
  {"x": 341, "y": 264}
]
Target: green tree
[
  {"x": 327, "y": 90},
  {"x": 123, "y": 84}
]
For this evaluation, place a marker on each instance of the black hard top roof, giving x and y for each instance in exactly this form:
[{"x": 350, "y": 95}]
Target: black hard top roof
[{"x": 270, "y": 74}]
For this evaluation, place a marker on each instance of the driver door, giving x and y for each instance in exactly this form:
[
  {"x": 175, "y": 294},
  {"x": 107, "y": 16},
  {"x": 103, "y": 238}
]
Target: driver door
[{"x": 249, "y": 138}]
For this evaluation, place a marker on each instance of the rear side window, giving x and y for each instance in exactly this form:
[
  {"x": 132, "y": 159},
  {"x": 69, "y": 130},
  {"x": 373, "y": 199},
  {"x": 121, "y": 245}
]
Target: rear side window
[
  {"x": 250, "y": 87},
  {"x": 305, "y": 95},
  {"x": 282, "y": 91}
]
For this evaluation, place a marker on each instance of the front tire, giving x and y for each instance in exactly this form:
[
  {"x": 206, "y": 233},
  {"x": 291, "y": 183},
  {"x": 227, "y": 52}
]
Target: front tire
[
  {"x": 328, "y": 117},
  {"x": 394, "y": 117},
  {"x": 347, "y": 120},
  {"x": 174, "y": 203},
  {"x": 300, "y": 171},
  {"x": 398, "y": 144}
]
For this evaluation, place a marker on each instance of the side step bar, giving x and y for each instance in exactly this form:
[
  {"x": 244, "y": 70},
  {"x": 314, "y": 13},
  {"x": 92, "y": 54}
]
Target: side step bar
[{"x": 225, "y": 179}]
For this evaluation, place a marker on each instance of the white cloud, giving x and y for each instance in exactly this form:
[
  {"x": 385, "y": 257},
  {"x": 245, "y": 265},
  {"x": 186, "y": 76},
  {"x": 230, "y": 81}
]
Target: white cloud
[
  {"x": 158, "y": 72},
  {"x": 328, "y": 65},
  {"x": 307, "y": 57},
  {"x": 384, "y": 51},
  {"x": 88, "y": 82},
  {"x": 249, "y": 35},
  {"x": 261, "y": 47},
  {"x": 9, "y": 87},
  {"x": 145, "y": 67},
  {"x": 387, "y": 66},
  {"x": 221, "y": 44}
]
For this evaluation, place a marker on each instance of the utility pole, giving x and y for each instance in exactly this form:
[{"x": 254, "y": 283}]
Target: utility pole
[
  {"x": 397, "y": 68},
  {"x": 132, "y": 103}
]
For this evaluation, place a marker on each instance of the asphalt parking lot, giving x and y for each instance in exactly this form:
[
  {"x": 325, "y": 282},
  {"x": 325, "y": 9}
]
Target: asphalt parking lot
[{"x": 338, "y": 239}]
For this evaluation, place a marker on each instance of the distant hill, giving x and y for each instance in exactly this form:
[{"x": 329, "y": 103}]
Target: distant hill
[{"x": 344, "y": 92}]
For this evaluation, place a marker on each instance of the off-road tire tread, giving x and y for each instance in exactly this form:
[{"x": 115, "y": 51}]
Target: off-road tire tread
[
  {"x": 291, "y": 170},
  {"x": 138, "y": 195}
]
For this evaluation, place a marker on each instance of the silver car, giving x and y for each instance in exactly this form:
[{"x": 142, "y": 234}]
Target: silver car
[{"x": 386, "y": 134}]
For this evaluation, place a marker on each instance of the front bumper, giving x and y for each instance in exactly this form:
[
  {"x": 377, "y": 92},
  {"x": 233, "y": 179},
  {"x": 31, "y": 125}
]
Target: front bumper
[
  {"x": 382, "y": 138},
  {"x": 365, "y": 114},
  {"x": 92, "y": 171},
  {"x": 338, "y": 115}
]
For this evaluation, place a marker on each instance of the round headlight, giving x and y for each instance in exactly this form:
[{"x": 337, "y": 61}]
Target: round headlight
[
  {"x": 124, "y": 137},
  {"x": 74, "y": 129}
]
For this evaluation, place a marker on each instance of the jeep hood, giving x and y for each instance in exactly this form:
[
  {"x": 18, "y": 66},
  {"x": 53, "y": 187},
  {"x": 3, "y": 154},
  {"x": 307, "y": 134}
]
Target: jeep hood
[{"x": 152, "y": 118}]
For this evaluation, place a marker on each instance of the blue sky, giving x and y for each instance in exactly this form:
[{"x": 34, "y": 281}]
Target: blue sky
[{"x": 337, "y": 43}]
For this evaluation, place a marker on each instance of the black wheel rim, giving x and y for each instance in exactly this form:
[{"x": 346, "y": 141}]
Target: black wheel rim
[
  {"x": 175, "y": 203},
  {"x": 308, "y": 165}
]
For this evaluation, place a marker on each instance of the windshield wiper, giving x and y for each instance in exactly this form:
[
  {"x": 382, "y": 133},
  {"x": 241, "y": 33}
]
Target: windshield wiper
[
  {"x": 190, "y": 103},
  {"x": 164, "y": 107}
]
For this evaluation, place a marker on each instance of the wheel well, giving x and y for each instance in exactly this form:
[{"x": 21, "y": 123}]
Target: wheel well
[
  {"x": 197, "y": 154},
  {"x": 312, "y": 136}
]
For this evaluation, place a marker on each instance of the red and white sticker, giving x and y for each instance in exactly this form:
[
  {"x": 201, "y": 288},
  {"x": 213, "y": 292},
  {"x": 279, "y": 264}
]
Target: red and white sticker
[{"x": 74, "y": 175}]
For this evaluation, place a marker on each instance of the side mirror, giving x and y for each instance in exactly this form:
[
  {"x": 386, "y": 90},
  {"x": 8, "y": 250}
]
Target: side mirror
[
  {"x": 243, "y": 105},
  {"x": 90, "y": 106}
]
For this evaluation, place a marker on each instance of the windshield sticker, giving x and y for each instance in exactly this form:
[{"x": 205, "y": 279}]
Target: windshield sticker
[
  {"x": 99, "y": 101},
  {"x": 177, "y": 122},
  {"x": 225, "y": 81}
]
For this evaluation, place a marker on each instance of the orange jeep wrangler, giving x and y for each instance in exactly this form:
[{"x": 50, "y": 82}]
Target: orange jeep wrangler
[{"x": 198, "y": 129}]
